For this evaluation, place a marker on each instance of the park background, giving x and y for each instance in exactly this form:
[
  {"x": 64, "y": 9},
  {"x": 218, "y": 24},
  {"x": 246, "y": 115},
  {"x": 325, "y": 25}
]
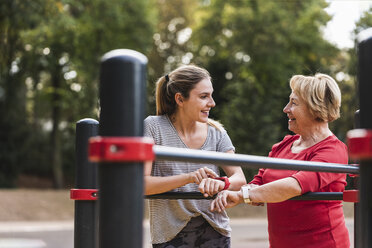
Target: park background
[{"x": 50, "y": 54}]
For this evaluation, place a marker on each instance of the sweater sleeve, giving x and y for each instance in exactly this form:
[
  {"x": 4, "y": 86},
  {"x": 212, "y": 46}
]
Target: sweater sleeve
[
  {"x": 149, "y": 128},
  {"x": 333, "y": 152},
  {"x": 225, "y": 143},
  {"x": 257, "y": 179}
]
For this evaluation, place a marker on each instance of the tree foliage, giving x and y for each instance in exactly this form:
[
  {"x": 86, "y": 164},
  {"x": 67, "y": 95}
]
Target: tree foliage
[
  {"x": 55, "y": 61},
  {"x": 50, "y": 52},
  {"x": 16, "y": 135},
  {"x": 347, "y": 73},
  {"x": 257, "y": 47}
]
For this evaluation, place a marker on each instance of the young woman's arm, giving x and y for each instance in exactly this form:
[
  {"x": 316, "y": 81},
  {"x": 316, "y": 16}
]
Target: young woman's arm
[
  {"x": 235, "y": 175},
  {"x": 157, "y": 185}
]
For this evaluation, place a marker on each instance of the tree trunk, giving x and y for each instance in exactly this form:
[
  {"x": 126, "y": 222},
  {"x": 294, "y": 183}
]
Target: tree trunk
[{"x": 55, "y": 134}]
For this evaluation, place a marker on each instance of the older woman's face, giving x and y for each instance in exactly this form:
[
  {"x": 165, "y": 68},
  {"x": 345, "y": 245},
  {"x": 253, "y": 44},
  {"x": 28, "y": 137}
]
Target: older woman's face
[{"x": 299, "y": 118}]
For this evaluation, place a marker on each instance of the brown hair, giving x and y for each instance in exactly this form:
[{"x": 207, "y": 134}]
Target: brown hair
[
  {"x": 182, "y": 80},
  {"x": 321, "y": 94}
]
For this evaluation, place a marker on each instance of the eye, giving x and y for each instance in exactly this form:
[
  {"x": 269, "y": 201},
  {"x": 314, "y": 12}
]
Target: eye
[{"x": 203, "y": 96}]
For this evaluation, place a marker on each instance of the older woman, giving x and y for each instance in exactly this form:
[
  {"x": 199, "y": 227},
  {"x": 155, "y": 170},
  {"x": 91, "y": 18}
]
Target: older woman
[{"x": 314, "y": 102}]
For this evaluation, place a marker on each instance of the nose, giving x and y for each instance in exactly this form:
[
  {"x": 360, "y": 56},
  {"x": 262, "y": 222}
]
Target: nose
[
  {"x": 286, "y": 108},
  {"x": 212, "y": 103}
]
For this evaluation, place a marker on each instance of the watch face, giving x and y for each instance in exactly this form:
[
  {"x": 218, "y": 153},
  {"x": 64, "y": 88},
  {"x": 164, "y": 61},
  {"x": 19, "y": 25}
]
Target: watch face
[{"x": 245, "y": 191}]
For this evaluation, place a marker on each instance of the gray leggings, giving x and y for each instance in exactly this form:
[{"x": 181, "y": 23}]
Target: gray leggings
[{"x": 198, "y": 233}]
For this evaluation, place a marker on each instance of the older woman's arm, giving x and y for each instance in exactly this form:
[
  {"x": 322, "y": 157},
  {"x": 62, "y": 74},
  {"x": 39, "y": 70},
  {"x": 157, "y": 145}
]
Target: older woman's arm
[{"x": 277, "y": 191}]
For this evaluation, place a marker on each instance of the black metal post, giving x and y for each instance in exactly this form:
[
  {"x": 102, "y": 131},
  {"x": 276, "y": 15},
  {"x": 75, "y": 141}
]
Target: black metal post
[
  {"x": 365, "y": 101},
  {"x": 122, "y": 99},
  {"x": 311, "y": 196},
  {"x": 357, "y": 220},
  {"x": 85, "y": 231}
]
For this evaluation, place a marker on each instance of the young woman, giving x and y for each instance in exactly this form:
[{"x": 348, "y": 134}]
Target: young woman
[{"x": 183, "y": 102}]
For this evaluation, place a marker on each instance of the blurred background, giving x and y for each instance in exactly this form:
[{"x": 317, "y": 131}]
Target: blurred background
[{"x": 50, "y": 52}]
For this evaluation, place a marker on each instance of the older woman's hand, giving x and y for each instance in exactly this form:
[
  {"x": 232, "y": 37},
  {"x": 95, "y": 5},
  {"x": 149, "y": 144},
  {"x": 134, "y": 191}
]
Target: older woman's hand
[{"x": 226, "y": 199}]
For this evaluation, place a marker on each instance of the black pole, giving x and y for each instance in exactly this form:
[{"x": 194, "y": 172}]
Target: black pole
[
  {"x": 311, "y": 196},
  {"x": 85, "y": 230},
  {"x": 365, "y": 102},
  {"x": 357, "y": 220},
  {"x": 122, "y": 99}
]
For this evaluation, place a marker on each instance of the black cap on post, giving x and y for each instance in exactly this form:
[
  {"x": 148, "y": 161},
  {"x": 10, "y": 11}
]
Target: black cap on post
[{"x": 122, "y": 100}]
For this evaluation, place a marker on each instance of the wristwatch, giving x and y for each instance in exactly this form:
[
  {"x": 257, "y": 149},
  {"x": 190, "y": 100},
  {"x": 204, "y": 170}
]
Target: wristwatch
[{"x": 245, "y": 193}]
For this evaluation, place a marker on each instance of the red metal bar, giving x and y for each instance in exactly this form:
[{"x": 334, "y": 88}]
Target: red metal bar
[
  {"x": 120, "y": 149},
  {"x": 351, "y": 196},
  {"x": 360, "y": 143},
  {"x": 84, "y": 194}
]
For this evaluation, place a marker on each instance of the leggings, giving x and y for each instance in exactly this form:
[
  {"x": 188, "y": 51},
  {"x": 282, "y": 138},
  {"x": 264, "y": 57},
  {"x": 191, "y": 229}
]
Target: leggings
[{"x": 198, "y": 233}]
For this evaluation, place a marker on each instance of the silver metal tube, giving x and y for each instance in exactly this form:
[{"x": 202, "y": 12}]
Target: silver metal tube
[{"x": 249, "y": 161}]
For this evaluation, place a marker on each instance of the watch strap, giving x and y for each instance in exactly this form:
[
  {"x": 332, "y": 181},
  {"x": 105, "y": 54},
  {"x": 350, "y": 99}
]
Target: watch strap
[
  {"x": 245, "y": 193},
  {"x": 226, "y": 180}
]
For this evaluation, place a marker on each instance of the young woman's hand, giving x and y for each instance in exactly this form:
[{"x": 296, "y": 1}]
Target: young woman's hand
[
  {"x": 198, "y": 175},
  {"x": 210, "y": 186},
  {"x": 226, "y": 199}
]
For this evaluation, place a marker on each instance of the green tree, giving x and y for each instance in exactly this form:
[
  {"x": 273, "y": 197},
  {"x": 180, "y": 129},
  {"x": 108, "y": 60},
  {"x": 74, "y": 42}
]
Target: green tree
[
  {"x": 15, "y": 135},
  {"x": 256, "y": 47},
  {"x": 346, "y": 71},
  {"x": 171, "y": 40},
  {"x": 58, "y": 59}
]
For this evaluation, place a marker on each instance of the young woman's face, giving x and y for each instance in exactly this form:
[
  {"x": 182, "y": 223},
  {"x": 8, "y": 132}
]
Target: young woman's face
[
  {"x": 298, "y": 114},
  {"x": 200, "y": 101}
]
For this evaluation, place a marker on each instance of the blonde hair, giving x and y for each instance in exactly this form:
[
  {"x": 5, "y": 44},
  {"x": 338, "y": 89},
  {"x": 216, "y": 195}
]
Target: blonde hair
[
  {"x": 216, "y": 124},
  {"x": 321, "y": 94}
]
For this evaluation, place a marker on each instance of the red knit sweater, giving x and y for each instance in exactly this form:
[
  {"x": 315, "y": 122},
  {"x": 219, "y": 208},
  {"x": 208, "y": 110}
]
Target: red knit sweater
[{"x": 308, "y": 223}]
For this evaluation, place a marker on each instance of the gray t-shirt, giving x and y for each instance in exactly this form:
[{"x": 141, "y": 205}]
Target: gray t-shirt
[{"x": 169, "y": 217}]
